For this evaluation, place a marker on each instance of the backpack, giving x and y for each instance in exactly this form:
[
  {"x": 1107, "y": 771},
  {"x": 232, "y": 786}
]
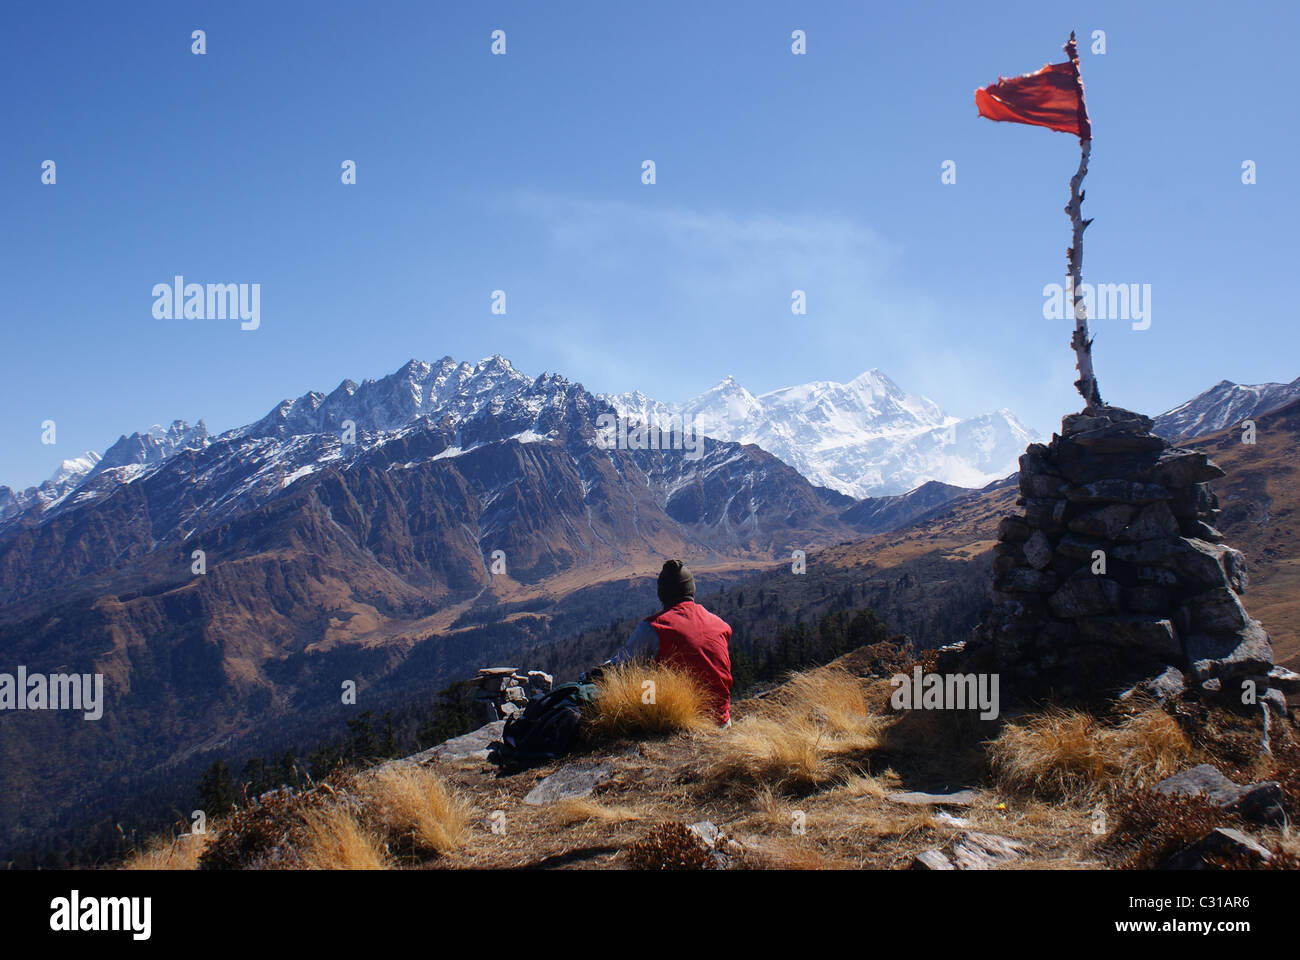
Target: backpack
[{"x": 548, "y": 726}]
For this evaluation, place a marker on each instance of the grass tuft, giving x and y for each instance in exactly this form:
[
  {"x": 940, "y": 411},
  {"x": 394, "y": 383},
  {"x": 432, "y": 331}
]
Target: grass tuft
[
  {"x": 414, "y": 803},
  {"x": 574, "y": 810},
  {"x": 802, "y": 739},
  {"x": 1070, "y": 755},
  {"x": 643, "y": 700},
  {"x": 170, "y": 853},
  {"x": 334, "y": 839}
]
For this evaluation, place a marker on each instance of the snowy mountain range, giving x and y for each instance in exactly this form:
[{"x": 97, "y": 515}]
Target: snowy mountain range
[
  {"x": 134, "y": 453},
  {"x": 297, "y": 437},
  {"x": 1224, "y": 405},
  {"x": 864, "y": 438}
]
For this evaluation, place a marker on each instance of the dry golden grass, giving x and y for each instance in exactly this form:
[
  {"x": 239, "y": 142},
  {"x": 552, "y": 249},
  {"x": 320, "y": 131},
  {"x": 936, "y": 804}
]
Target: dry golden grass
[
  {"x": 899, "y": 823},
  {"x": 414, "y": 802},
  {"x": 1072, "y": 756},
  {"x": 639, "y": 700},
  {"x": 835, "y": 700},
  {"x": 1290, "y": 843},
  {"x": 864, "y": 785},
  {"x": 170, "y": 853},
  {"x": 801, "y": 737},
  {"x": 334, "y": 839},
  {"x": 772, "y": 811},
  {"x": 575, "y": 810},
  {"x": 790, "y": 854}
]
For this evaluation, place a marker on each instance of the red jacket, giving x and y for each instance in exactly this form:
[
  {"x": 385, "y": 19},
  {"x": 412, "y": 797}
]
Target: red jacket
[{"x": 692, "y": 638}]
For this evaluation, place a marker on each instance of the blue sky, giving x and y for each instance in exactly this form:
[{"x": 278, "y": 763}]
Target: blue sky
[{"x": 522, "y": 172}]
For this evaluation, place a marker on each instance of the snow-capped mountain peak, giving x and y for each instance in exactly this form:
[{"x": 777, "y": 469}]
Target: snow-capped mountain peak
[
  {"x": 867, "y": 437},
  {"x": 73, "y": 469},
  {"x": 875, "y": 383},
  {"x": 153, "y": 445},
  {"x": 1224, "y": 405}
]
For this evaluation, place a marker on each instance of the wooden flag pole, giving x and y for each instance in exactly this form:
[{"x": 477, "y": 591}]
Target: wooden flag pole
[{"x": 1080, "y": 341}]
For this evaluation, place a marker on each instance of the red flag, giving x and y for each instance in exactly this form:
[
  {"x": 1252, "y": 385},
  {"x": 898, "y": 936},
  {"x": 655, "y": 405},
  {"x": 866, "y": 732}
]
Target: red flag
[{"x": 1051, "y": 97}]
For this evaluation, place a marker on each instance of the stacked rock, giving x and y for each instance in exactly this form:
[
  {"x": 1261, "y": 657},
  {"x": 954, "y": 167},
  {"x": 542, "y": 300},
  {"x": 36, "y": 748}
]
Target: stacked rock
[
  {"x": 504, "y": 691},
  {"x": 1115, "y": 576}
]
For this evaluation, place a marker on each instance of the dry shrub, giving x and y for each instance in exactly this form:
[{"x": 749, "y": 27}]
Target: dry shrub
[
  {"x": 670, "y": 846},
  {"x": 883, "y": 659},
  {"x": 170, "y": 853},
  {"x": 574, "y": 810},
  {"x": 1069, "y": 755},
  {"x": 334, "y": 839},
  {"x": 414, "y": 803},
  {"x": 802, "y": 737},
  {"x": 1285, "y": 770},
  {"x": 679, "y": 702},
  {"x": 1151, "y": 827},
  {"x": 255, "y": 836},
  {"x": 1282, "y": 858}
]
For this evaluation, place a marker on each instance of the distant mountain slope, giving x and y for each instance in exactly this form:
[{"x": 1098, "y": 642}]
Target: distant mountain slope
[
  {"x": 1260, "y": 498},
  {"x": 865, "y": 438},
  {"x": 1225, "y": 404}
]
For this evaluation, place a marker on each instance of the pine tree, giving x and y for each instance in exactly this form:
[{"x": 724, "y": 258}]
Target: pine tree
[
  {"x": 362, "y": 744},
  {"x": 217, "y": 789},
  {"x": 388, "y": 745}
]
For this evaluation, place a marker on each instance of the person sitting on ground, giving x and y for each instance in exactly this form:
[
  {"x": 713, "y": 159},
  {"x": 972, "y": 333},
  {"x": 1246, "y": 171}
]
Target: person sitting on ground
[{"x": 685, "y": 635}]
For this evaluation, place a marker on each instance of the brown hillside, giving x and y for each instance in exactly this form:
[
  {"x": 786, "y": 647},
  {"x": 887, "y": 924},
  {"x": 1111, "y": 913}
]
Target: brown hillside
[{"x": 1260, "y": 496}]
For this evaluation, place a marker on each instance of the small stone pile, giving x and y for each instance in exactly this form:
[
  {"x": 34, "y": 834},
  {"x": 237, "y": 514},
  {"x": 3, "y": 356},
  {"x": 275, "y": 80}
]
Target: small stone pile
[
  {"x": 1115, "y": 576},
  {"x": 505, "y": 691}
]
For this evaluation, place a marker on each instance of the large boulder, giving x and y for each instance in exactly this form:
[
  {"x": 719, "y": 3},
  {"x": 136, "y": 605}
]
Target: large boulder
[
  {"x": 1221, "y": 843},
  {"x": 1260, "y": 802},
  {"x": 571, "y": 780},
  {"x": 475, "y": 745},
  {"x": 1085, "y": 595},
  {"x": 1144, "y": 638},
  {"x": 1104, "y": 522},
  {"x": 1229, "y": 656}
]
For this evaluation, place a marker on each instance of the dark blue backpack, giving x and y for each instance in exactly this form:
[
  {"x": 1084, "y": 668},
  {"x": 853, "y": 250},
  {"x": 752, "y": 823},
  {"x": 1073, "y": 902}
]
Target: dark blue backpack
[{"x": 548, "y": 727}]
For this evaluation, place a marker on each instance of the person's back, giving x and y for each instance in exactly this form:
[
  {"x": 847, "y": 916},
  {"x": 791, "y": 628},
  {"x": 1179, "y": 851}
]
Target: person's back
[
  {"x": 685, "y": 635},
  {"x": 695, "y": 640}
]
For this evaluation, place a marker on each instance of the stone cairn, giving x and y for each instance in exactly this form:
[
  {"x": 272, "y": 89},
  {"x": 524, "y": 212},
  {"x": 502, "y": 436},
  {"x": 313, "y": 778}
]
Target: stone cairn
[
  {"x": 1115, "y": 577},
  {"x": 504, "y": 691}
]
